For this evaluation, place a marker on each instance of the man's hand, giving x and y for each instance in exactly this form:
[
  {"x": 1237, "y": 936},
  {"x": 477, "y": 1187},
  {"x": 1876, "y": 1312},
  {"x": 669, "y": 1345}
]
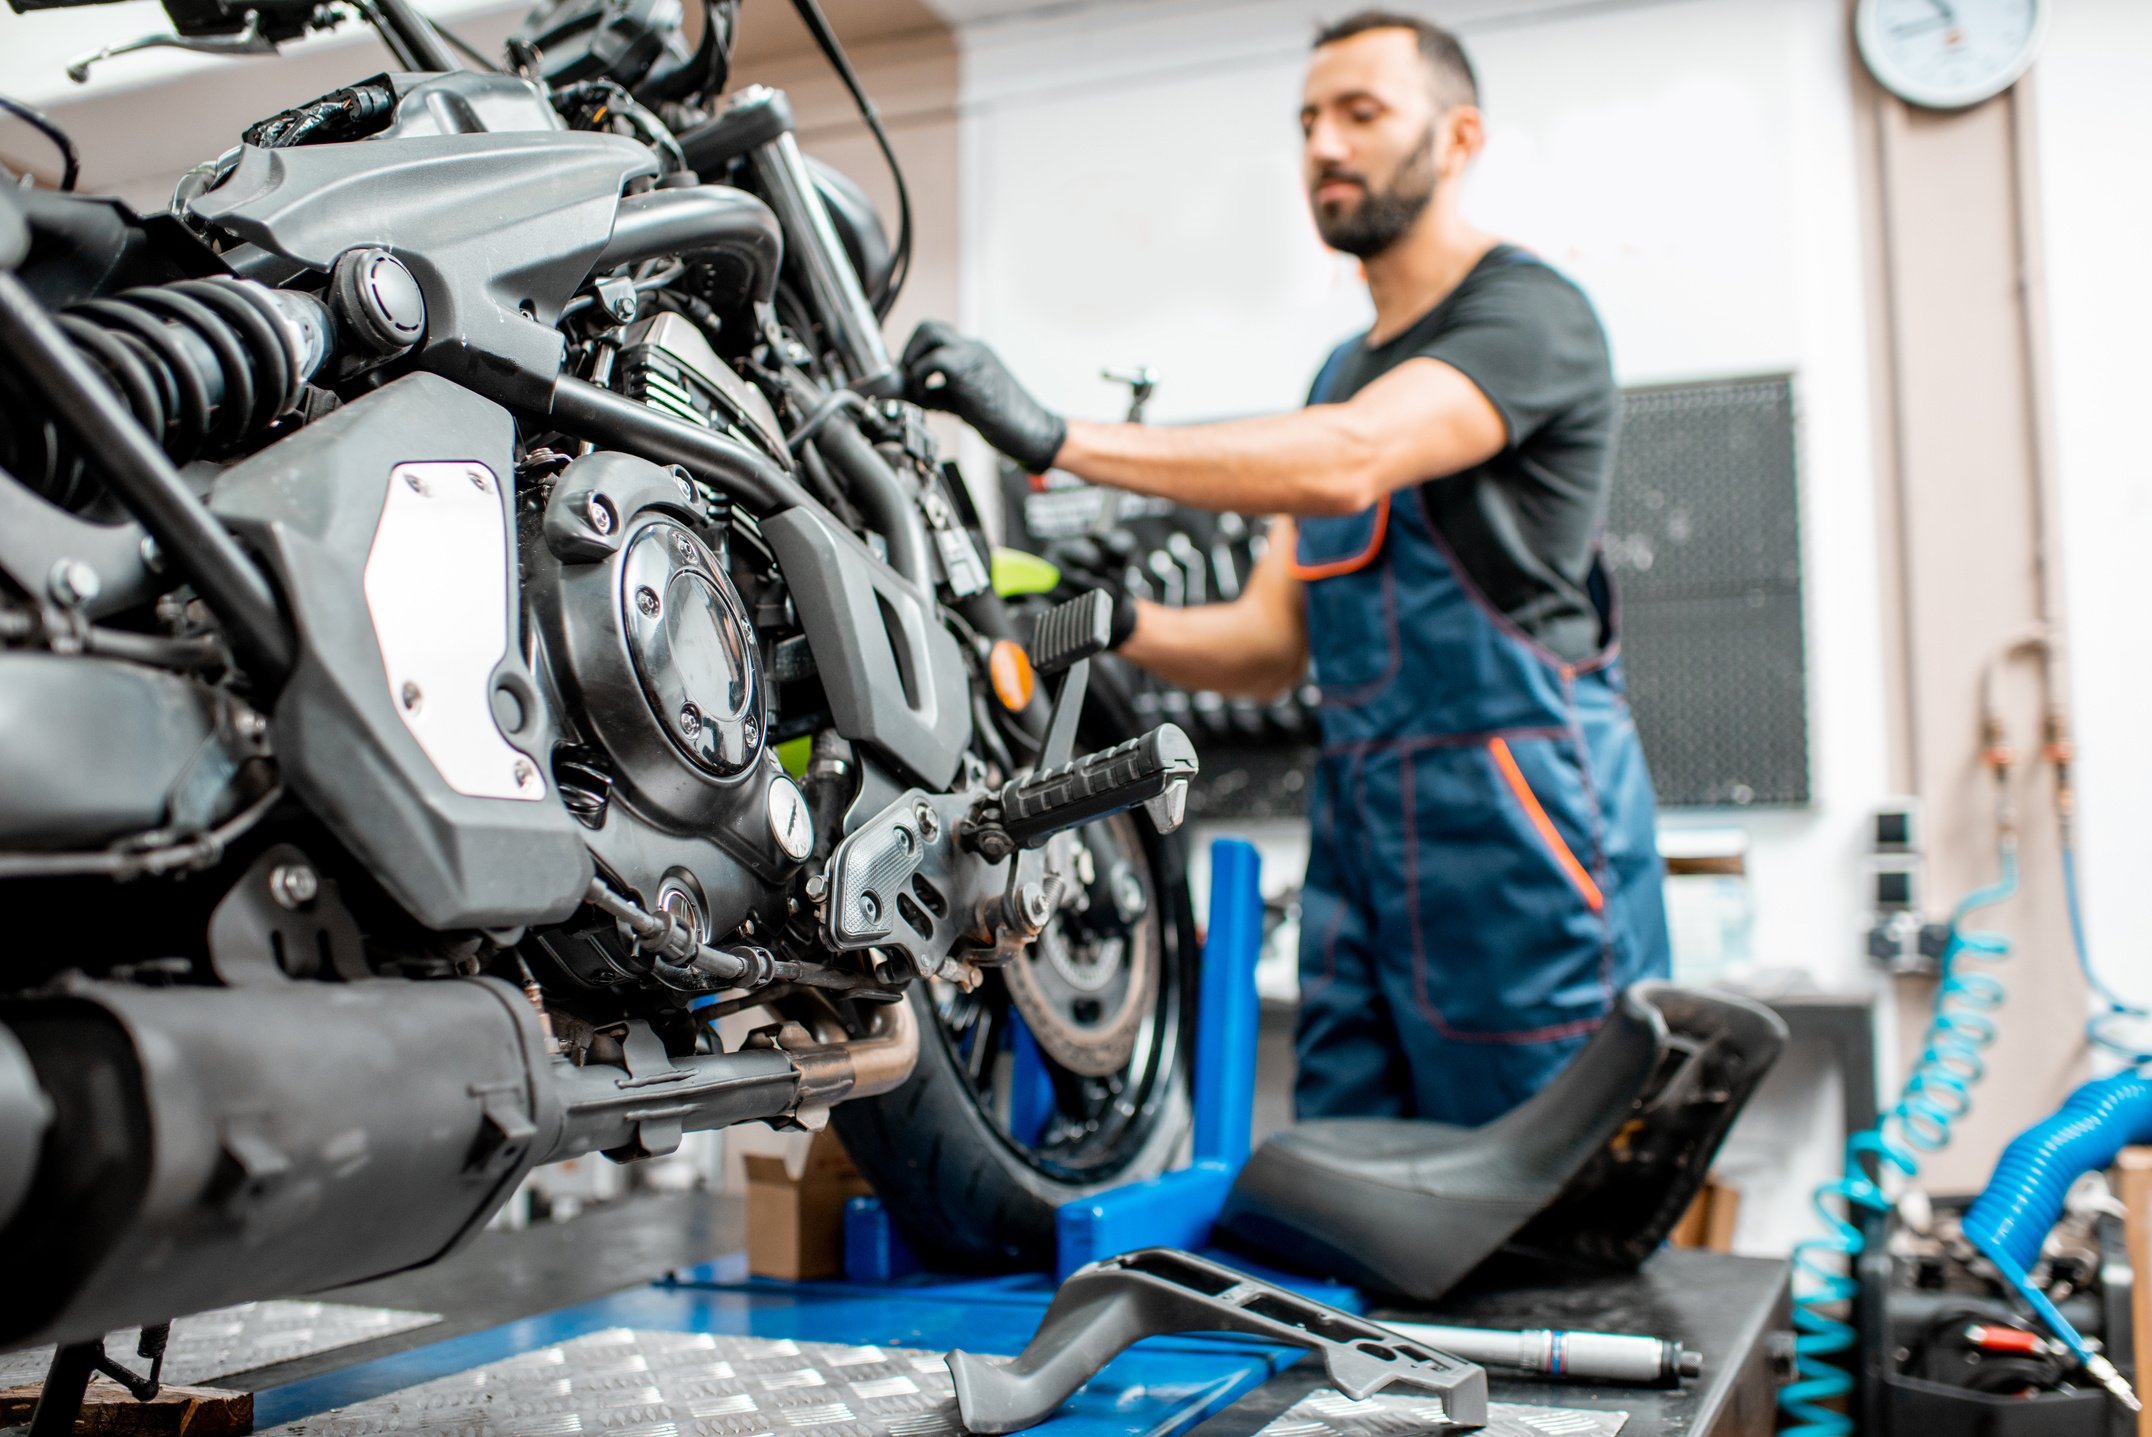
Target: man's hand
[{"x": 945, "y": 370}]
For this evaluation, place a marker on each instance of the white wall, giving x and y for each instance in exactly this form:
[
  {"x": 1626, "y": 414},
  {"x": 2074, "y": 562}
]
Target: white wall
[
  {"x": 2095, "y": 149},
  {"x": 1131, "y": 194}
]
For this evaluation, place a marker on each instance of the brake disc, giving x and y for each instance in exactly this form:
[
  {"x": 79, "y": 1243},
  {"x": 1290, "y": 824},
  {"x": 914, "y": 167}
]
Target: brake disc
[{"x": 1085, "y": 1001}]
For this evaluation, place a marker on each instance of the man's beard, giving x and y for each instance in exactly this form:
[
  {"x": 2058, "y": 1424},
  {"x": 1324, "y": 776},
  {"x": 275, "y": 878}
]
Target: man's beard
[{"x": 1382, "y": 216}]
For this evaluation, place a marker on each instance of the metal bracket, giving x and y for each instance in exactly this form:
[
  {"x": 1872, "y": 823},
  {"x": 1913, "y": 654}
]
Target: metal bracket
[{"x": 1105, "y": 1307}]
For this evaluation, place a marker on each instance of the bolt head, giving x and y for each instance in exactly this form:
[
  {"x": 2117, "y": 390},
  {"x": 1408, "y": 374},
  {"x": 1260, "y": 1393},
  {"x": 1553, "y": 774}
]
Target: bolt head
[
  {"x": 929, "y": 825},
  {"x": 599, "y": 510},
  {"x": 411, "y": 696},
  {"x": 294, "y": 886},
  {"x": 690, "y": 720},
  {"x": 646, "y": 599},
  {"x": 480, "y": 482},
  {"x": 870, "y": 907},
  {"x": 74, "y": 583},
  {"x": 525, "y": 773},
  {"x": 416, "y": 481}
]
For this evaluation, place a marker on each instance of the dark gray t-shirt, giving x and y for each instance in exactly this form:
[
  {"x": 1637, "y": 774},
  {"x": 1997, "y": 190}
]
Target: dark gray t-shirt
[{"x": 1522, "y": 525}]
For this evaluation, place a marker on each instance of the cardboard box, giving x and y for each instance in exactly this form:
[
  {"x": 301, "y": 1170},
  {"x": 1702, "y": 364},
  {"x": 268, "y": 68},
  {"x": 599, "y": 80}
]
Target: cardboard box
[{"x": 795, "y": 1222}]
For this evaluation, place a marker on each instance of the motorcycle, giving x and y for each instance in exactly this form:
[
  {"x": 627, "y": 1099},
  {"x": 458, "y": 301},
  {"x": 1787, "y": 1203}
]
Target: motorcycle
[{"x": 476, "y": 611}]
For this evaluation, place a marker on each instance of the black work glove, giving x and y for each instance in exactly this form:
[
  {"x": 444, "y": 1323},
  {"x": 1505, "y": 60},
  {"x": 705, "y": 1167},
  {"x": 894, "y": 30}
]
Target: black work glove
[
  {"x": 1102, "y": 564},
  {"x": 945, "y": 370}
]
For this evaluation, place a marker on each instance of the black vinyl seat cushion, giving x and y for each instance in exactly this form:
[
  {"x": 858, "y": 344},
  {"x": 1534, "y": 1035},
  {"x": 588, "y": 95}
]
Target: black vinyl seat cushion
[{"x": 1403, "y": 1206}]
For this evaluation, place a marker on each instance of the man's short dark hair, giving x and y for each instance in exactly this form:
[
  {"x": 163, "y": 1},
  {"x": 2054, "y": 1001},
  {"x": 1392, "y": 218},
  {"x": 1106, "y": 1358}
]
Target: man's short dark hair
[{"x": 1455, "y": 84}]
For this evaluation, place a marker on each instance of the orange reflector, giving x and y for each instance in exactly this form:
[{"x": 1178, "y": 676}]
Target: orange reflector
[{"x": 1013, "y": 678}]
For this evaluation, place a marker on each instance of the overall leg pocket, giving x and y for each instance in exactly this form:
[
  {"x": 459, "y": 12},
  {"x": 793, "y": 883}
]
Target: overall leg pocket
[{"x": 1495, "y": 937}]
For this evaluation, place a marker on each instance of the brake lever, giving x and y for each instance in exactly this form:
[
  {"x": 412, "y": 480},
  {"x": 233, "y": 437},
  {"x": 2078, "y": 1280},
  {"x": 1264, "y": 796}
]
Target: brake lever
[{"x": 249, "y": 41}]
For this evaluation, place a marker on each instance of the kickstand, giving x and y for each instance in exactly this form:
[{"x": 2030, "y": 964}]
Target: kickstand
[
  {"x": 1106, "y": 1306},
  {"x": 59, "y": 1403}
]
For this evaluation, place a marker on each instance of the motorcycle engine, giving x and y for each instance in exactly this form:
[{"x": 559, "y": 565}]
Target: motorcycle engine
[{"x": 652, "y": 656}]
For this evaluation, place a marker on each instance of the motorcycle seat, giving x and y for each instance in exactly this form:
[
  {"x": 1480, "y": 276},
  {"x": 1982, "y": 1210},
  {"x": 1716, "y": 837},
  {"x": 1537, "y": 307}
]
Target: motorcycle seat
[{"x": 1596, "y": 1167}]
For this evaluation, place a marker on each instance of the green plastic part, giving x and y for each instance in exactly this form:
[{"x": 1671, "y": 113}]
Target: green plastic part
[
  {"x": 1017, "y": 573},
  {"x": 793, "y": 753}
]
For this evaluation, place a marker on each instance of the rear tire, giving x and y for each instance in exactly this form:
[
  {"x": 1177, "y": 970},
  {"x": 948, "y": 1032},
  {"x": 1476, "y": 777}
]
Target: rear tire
[{"x": 966, "y": 1191}]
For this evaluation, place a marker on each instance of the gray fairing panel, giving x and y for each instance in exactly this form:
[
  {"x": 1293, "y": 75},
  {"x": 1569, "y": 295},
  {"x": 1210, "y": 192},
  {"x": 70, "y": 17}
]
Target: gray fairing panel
[
  {"x": 309, "y": 506},
  {"x": 488, "y": 223},
  {"x": 893, "y": 673}
]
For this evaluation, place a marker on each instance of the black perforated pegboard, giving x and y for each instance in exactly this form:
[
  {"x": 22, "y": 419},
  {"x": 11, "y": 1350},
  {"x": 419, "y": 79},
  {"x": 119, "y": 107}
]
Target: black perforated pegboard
[{"x": 1703, "y": 537}]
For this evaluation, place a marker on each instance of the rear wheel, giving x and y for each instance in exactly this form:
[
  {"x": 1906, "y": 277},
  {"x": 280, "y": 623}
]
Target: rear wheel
[{"x": 1051, "y": 1080}]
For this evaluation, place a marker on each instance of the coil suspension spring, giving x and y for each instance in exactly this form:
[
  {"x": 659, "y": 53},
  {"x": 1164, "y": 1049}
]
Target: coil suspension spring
[{"x": 205, "y": 365}]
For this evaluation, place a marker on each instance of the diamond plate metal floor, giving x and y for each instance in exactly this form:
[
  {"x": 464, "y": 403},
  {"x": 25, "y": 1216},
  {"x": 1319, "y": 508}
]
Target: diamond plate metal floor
[
  {"x": 629, "y": 1383},
  {"x": 1329, "y": 1413},
  {"x": 229, "y": 1340}
]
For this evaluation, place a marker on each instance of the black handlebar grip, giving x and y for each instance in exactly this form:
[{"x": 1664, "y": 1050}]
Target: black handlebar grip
[
  {"x": 1072, "y": 629},
  {"x": 1034, "y": 809}
]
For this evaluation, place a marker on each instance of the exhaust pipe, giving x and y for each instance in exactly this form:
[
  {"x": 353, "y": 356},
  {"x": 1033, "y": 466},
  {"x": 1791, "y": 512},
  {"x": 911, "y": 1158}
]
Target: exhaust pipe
[
  {"x": 25, "y": 1113},
  {"x": 168, "y": 1150},
  {"x": 217, "y": 1145},
  {"x": 782, "y": 1075}
]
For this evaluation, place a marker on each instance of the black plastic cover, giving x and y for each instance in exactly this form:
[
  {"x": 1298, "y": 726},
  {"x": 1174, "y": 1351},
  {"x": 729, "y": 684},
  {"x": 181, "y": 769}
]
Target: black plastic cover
[
  {"x": 309, "y": 506},
  {"x": 893, "y": 674},
  {"x": 97, "y": 750}
]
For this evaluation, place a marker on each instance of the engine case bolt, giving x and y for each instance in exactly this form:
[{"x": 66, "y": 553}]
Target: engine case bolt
[
  {"x": 411, "y": 696},
  {"x": 524, "y": 773},
  {"x": 599, "y": 510},
  {"x": 294, "y": 886},
  {"x": 74, "y": 583},
  {"x": 690, "y": 720},
  {"x": 646, "y": 599},
  {"x": 870, "y": 908},
  {"x": 929, "y": 825}
]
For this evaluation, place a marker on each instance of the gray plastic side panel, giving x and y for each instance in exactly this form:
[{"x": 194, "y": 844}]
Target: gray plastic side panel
[
  {"x": 486, "y": 222},
  {"x": 309, "y": 506},
  {"x": 841, "y": 589}
]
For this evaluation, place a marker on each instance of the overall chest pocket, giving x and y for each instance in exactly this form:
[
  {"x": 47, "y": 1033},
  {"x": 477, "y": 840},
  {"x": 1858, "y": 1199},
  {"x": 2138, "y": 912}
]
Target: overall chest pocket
[{"x": 1352, "y": 602}]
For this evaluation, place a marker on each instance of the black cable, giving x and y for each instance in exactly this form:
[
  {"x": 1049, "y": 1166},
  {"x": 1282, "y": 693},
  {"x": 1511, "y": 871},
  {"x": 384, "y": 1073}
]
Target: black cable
[
  {"x": 810, "y": 13},
  {"x": 38, "y": 120},
  {"x": 470, "y": 52}
]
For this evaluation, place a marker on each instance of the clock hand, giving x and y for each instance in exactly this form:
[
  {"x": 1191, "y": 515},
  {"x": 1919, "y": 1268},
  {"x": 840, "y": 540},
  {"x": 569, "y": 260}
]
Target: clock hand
[
  {"x": 1916, "y": 27},
  {"x": 1943, "y": 8}
]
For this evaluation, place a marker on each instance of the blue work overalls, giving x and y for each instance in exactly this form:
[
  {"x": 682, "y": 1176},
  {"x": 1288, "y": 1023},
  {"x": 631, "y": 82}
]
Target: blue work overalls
[{"x": 1483, "y": 876}]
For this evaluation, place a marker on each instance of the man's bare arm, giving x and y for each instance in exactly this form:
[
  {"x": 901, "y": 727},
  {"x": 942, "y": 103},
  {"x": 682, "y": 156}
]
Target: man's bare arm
[
  {"x": 1254, "y": 647},
  {"x": 1422, "y": 420}
]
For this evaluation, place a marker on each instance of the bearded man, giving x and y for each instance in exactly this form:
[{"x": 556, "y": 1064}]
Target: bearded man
[{"x": 1483, "y": 875}]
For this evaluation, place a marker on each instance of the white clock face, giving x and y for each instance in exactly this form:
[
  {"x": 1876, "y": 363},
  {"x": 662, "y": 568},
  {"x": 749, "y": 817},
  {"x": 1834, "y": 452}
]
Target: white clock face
[{"x": 1946, "y": 54}]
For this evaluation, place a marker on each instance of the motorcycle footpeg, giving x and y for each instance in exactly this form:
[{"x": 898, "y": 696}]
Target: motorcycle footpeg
[
  {"x": 1152, "y": 770},
  {"x": 1108, "y": 1305},
  {"x": 1071, "y": 632}
]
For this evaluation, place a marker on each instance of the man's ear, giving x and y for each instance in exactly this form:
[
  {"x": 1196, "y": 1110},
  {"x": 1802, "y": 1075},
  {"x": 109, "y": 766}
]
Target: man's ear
[{"x": 1464, "y": 136}]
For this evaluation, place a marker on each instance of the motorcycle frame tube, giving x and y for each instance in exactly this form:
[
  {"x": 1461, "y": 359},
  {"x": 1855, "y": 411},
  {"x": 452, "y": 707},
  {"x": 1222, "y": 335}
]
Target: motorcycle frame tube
[
  {"x": 880, "y": 492},
  {"x": 103, "y": 429},
  {"x": 614, "y": 421},
  {"x": 699, "y": 220},
  {"x": 833, "y": 290}
]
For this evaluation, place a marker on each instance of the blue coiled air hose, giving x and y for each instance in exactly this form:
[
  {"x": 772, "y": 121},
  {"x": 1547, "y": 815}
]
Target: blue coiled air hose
[
  {"x": 2024, "y": 1197},
  {"x": 1936, "y": 1094}
]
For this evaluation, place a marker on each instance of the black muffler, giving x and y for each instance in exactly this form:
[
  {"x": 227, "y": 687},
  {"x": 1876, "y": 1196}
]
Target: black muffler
[{"x": 208, "y": 1146}]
